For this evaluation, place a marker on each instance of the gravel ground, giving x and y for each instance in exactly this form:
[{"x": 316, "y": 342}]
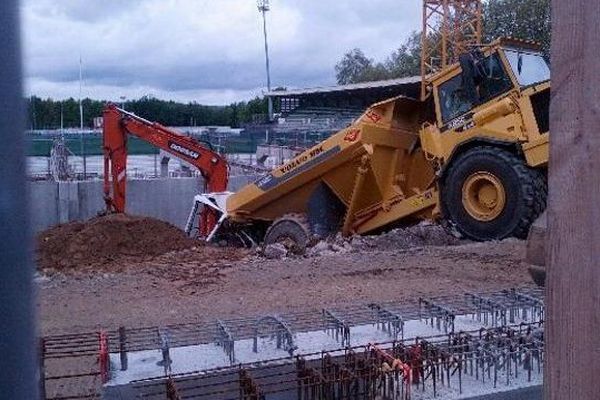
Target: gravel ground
[{"x": 201, "y": 284}]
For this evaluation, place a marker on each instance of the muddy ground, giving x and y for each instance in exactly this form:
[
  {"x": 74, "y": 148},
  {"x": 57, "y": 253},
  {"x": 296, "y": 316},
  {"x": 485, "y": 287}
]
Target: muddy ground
[{"x": 203, "y": 283}]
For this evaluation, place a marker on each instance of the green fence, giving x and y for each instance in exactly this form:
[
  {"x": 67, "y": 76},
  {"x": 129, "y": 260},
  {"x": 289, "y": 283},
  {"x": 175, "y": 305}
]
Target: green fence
[
  {"x": 40, "y": 145},
  {"x": 92, "y": 144}
]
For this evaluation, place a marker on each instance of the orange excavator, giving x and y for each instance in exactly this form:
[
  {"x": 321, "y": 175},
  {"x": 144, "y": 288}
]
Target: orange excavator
[{"x": 119, "y": 123}]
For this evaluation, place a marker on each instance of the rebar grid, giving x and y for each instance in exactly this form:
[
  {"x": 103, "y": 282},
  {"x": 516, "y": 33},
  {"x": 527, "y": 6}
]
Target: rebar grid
[
  {"x": 389, "y": 321},
  {"x": 494, "y": 309},
  {"x": 392, "y": 370},
  {"x": 204, "y": 332}
]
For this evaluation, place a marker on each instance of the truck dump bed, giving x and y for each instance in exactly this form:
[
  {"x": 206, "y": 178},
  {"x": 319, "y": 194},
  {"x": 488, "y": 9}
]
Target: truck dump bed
[{"x": 375, "y": 168}]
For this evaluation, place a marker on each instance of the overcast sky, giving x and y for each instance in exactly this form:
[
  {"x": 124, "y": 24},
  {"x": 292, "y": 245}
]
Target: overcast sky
[{"x": 209, "y": 51}]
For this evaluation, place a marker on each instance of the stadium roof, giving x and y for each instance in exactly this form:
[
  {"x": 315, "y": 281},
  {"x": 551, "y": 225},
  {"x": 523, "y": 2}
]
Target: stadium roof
[{"x": 346, "y": 88}]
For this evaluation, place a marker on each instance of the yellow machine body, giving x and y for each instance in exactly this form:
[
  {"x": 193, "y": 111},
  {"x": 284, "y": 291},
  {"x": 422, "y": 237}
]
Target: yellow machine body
[
  {"x": 375, "y": 167},
  {"x": 508, "y": 118},
  {"x": 387, "y": 166}
]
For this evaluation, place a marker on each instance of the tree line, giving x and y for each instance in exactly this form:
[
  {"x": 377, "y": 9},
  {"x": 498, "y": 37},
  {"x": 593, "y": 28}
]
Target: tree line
[
  {"x": 46, "y": 113},
  {"x": 501, "y": 18}
]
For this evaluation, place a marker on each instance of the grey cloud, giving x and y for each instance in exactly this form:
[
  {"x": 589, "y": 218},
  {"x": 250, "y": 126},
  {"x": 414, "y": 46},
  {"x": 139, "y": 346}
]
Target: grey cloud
[
  {"x": 207, "y": 76},
  {"x": 87, "y": 10},
  {"x": 172, "y": 56}
]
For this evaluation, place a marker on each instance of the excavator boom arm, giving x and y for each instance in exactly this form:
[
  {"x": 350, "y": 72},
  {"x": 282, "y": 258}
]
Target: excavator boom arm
[{"x": 118, "y": 123}]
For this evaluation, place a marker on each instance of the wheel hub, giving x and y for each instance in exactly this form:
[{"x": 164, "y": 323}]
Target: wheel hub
[{"x": 483, "y": 196}]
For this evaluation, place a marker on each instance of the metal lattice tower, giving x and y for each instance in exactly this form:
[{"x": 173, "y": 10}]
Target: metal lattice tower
[
  {"x": 59, "y": 160},
  {"x": 450, "y": 28}
]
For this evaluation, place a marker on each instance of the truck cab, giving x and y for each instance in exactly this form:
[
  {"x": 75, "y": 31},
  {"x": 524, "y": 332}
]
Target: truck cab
[
  {"x": 499, "y": 94},
  {"x": 489, "y": 138}
]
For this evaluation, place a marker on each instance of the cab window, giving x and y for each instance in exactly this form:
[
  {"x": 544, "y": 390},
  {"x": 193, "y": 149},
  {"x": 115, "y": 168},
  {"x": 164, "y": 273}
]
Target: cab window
[
  {"x": 529, "y": 68},
  {"x": 494, "y": 79},
  {"x": 491, "y": 81},
  {"x": 454, "y": 102}
]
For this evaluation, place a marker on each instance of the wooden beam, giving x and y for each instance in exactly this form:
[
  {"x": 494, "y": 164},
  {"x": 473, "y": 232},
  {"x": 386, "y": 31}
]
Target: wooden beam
[{"x": 573, "y": 290}]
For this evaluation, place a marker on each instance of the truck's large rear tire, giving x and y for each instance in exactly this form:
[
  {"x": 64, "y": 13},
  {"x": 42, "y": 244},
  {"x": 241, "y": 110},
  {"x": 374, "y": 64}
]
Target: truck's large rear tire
[
  {"x": 292, "y": 231},
  {"x": 489, "y": 193}
]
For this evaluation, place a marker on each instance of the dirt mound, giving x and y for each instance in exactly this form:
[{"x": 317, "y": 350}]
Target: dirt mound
[{"x": 107, "y": 239}]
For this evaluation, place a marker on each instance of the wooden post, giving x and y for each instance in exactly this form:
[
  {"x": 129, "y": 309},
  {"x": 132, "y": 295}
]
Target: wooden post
[
  {"x": 18, "y": 355},
  {"x": 572, "y": 369},
  {"x": 123, "y": 347},
  {"x": 42, "y": 369}
]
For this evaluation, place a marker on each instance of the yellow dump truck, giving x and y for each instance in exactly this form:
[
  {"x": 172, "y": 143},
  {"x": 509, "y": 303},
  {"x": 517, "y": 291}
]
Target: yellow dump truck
[{"x": 473, "y": 153}]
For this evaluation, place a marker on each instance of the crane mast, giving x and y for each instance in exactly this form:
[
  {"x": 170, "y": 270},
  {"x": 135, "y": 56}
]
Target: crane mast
[{"x": 450, "y": 28}]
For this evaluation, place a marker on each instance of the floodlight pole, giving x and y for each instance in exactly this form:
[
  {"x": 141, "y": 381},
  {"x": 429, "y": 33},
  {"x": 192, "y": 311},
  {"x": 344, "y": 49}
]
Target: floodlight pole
[
  {"x": 82, "y": 142},
  {"x": 263, "y": 7}
]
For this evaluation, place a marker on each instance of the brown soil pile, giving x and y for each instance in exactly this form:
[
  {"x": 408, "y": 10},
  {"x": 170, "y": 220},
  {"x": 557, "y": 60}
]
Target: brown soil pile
[{"x": 107, "y": 239}]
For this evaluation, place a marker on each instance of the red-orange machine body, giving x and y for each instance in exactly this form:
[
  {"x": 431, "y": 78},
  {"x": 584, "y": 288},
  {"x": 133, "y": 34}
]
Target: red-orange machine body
[{"x": 118, "y": 124}]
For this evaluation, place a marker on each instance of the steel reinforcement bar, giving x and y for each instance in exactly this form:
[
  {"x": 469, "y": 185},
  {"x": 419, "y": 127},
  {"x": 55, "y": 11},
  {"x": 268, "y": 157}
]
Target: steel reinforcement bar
[
  {"x": 394, "y": 370},
  {"x": 499, "y": 307}
]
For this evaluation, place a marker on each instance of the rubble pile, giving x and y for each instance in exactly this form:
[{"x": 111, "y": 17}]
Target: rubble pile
[{"x": 423, "y": 234}]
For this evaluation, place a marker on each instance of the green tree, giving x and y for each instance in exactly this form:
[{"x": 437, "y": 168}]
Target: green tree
[
  {"x": 528, "y": 20},
  {"x": 355, "y": 67},
  {"x": 406, "y": 60},
  {"x": 45, "y": 113}
]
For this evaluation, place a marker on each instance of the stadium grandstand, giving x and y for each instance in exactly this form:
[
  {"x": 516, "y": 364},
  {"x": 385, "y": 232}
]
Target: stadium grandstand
[{"x": 326, "y": 110}]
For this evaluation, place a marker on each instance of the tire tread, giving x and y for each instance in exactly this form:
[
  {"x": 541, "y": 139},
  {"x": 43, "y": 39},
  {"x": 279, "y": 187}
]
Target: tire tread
[{"x": 532, "y": 181}]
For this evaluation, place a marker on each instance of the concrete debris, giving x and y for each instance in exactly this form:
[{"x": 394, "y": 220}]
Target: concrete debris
[
  {"x": 423, "y": 234},
  {"x": 274, "y": 251},
  {"x": 337, "y": 245}
]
